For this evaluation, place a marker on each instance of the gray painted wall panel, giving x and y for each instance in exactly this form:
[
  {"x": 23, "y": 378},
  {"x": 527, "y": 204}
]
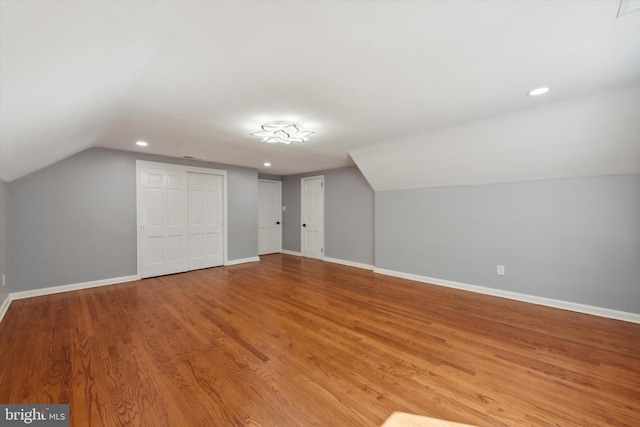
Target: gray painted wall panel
[
  {"x": 269, "y": 177},
  {"x": 349, "y": 205},
  {"x": 242, "y": 212},
  {"x": 4, "y": 290},
  {"x": 575, "y": 240},
  {"x": 291, "y": 200},
  {"x": 349, "y": 214},
  {"x": 75, "y": 221}
]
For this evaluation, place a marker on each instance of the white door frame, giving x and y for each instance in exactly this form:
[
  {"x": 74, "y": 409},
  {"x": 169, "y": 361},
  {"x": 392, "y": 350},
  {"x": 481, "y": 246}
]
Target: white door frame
[
  {"x": 279, "y": 183},
  {"x": 140, "y": 164},
  {"x": 302, "y": 212}
]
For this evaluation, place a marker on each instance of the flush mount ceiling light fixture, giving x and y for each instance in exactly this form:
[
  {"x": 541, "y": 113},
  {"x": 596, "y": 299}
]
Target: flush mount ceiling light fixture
[{"x": 284, "y": 132}]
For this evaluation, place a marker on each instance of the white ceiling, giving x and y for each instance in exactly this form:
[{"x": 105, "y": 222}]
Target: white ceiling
[{"x": 195, "y": 77}]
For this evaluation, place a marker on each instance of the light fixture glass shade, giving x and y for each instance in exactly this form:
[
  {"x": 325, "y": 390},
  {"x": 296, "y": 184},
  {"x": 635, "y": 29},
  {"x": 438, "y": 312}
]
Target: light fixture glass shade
[{"x": 284, "y": 132}]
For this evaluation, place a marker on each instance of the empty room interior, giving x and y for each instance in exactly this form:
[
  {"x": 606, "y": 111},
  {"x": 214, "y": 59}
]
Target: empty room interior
[{"x": 320, "y": 213}]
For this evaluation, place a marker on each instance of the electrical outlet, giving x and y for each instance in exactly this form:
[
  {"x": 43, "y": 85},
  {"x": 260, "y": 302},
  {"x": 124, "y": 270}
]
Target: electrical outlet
[{"x": 500, "y": 270}]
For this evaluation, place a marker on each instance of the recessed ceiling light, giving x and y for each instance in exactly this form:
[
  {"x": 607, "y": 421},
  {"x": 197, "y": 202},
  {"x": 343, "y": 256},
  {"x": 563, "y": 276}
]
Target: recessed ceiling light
[
  {"x": 539, "y": 91},
  {"x": 267, "y": 164},
  {"x": 141, "y": 143}
]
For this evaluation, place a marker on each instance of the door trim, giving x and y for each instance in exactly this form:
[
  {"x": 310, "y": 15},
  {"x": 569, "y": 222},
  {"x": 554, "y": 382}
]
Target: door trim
[{"x": 140, "y": 164}]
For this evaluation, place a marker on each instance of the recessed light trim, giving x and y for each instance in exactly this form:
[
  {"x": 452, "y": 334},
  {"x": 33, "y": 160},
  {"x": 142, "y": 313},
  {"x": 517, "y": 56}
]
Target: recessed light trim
[
  {"x": 267, "y": 164},
  {"x": 539, "y": 91},
  {"x": 141, "y": 143},
  {"x": 283, "y": 131}
]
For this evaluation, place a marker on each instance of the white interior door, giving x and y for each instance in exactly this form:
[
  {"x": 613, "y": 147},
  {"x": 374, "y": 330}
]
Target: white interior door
[
  {"x": 162, "y": 211},
  {"x": 205, "y": 220},
  {"x": 313, "y": 217},
  {"x": 269, "y": 217}
]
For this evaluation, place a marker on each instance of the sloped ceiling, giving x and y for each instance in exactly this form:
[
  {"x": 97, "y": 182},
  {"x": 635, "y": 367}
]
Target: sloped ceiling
[
  {"x": 195, "y": 78},
  {"x": 590, "y": 136}
]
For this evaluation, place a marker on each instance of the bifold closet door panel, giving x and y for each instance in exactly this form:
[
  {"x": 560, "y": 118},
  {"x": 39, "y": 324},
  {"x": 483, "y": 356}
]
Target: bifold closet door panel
[
  {"x": 206, "y": 220},
  {"x": 163, "y": 219}
]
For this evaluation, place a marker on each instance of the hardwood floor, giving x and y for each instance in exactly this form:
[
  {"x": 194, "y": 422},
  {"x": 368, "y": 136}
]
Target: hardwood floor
[{"x": 294, "y": 341}]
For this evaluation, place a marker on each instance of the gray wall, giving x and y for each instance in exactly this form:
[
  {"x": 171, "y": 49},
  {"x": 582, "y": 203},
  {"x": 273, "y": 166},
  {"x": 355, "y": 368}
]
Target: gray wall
[
  {"x": 575, "y": 240},
  {"x": 270, "y": 177},
  {"x": 349, "y": 220},
  {"x": 4, "y": 290},
  {"x": 75, "y": 221}
]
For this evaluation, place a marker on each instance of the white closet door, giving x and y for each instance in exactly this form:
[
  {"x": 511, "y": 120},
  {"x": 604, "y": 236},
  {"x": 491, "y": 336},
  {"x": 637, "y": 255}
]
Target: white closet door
[
  {"x": 269, "y": 217},
  {"x": 206, "y": 220},
  {"x": 163, "y": 220},
  {"x": 313, "y": 217}
]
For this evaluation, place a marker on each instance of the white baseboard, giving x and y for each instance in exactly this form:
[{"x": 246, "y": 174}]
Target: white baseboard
[
  {"x": 294, "y": 253},
  {"x": 5, "y": 306},
  {"x": 73, "y": 287},
  {"x": 335, "y": 260},
  {"x": 565, "y": 305},
  {"x": 242, "y": 261},
  {"x": 349, "y": 263}
]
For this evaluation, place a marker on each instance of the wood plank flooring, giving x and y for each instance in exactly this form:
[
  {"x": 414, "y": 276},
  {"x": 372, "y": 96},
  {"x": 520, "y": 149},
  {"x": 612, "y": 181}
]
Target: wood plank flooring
[{"x": 300, "y": 342}]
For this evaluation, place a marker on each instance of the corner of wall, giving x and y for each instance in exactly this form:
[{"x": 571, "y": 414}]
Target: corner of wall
[{"x": 5, "y": 296}]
